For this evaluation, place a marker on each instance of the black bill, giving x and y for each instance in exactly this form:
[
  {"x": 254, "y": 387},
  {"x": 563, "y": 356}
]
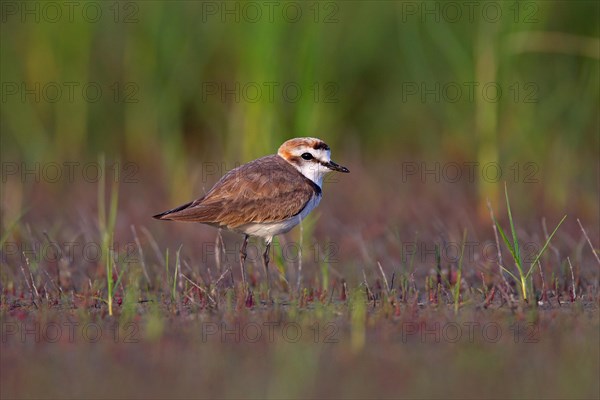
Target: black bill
[{"x": 335, "y": 167}]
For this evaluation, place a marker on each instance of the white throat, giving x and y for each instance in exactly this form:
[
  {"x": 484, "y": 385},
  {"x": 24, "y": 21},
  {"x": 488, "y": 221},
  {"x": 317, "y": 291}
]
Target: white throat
[{"x": 313, "y": 171}]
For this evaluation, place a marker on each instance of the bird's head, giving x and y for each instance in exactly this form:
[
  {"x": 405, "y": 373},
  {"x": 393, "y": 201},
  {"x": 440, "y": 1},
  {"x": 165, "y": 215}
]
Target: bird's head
[{"x": 310, "y": 156}]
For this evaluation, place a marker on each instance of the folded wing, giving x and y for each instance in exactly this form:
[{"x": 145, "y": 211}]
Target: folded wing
[{"x": 265, "y": 190}]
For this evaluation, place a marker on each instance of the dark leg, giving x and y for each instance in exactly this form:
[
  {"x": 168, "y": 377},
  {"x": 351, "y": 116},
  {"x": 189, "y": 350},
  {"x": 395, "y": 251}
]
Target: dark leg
[
  {"x": 243, "y": 258},
  {"x": 266, "y": 260}
]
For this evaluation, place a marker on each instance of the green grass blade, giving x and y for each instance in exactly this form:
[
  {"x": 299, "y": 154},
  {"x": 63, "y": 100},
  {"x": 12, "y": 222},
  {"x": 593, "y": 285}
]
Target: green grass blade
[
  {"x": 510, "y": 273},
  {"x": 177, "y": 268},
  {"x": 119, "y": 277},
  {"x": 101, "y": 191},
  {"x": 507, "y": 242},
  {"x": 504, "y": 238},
  {"x": 114, "y": 202},
  {"x": 512, "y": 228},
  {"x": 167, "y": 267},
  {"x": 459, "y": 273},
  {"x": 545, "y": 246}
]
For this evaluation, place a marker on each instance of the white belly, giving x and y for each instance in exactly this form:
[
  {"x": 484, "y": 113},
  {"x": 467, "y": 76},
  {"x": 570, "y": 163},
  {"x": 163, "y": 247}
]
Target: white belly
[{"x": 268, "y": 230}]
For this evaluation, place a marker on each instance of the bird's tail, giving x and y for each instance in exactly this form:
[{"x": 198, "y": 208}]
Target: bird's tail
[{"x": 165, "y": 215}]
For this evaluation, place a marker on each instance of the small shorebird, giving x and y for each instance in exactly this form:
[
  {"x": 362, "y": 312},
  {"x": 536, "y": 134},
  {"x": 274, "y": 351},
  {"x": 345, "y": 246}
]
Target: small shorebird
[{"x": 265, "y": 197}]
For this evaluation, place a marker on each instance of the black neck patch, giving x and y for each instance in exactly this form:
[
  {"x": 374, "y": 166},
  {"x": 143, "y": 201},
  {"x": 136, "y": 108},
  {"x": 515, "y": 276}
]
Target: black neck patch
[{"x": 315, "y": 187}]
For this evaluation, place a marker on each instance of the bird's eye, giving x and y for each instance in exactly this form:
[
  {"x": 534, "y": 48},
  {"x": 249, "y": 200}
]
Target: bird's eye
[{"x": 307, "y": 156}]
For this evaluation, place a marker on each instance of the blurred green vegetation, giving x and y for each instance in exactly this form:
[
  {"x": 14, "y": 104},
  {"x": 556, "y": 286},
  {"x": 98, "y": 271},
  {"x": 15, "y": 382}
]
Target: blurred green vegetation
[{"x": 179, "y": 83}]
